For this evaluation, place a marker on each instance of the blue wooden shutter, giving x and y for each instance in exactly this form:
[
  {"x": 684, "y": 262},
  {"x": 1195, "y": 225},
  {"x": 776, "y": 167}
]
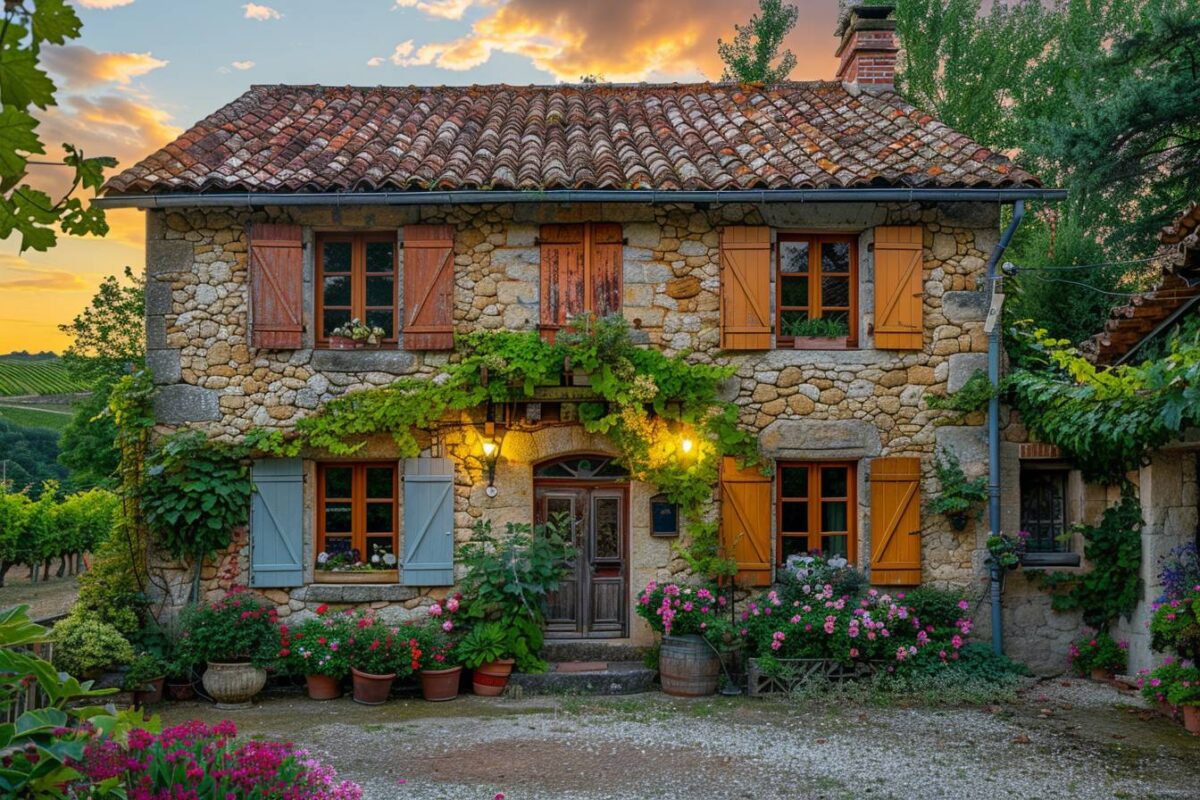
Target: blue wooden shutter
[
  {"x": 277, "y": 523},
  {"x": 428, "y": 522}
]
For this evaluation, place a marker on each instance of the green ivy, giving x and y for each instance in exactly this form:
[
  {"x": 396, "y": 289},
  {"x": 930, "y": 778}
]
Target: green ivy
[
  {"x": 959, "y": 493},
  {"x": 972, "y": 397},
  {"x": 1111, "y": 587}
]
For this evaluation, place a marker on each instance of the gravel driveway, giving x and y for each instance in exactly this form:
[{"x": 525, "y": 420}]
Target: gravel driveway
[{"x": 1060, "y": 739}]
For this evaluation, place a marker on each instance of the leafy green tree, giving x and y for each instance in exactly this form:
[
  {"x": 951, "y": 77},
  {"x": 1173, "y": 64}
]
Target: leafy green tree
[
  {"x": 88, "y": 446},
  {"x": 14, "y": 517},
  {"x": 25, "y": 86},
  {"x": 109, "y": 335},
  {"x": 755, "y": 46},
  {"x": 28, "y": 457}
]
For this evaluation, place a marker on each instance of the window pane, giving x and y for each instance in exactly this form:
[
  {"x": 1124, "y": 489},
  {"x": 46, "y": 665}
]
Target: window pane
[
  {"x": 382, "y": 319},
  {"x": 337, "y": 291},
  {"x": 606, "y": 512},
  {"x": 379, "y": 517},
  {"x": 379, "y": 257},
  {"x": 833, "y": 515},
  {"x": 788, "y": 320},
  {"x": 335, "y": 256},
  {"x": 840, "y": 316},
  {"x": 793, "y": 291},
  {"x": 1043, "y": 510},
  {"x": 835, "y": 546},
  {"x": 833, "y": 481},
  {"x": 337, "y": 517},
  {"x": 792, "y": 546},
  {"x": 835, "y": 257},
  {"x": 337, "y": 481},
  {"x": 379, "y": 482},
  {"x": 835, "y": 291},
  {"x": 793, "y": 257},
  {"x": 794, "y": 481},
  {"x": 381, "y": 290},
  {"x": 334, "y": 319},
  {"x": 337, "y": 544},
  {"x": 795, "y": 518}
]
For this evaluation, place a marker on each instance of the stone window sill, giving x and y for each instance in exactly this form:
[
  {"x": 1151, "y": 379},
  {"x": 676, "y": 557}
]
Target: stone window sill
[
  {"x": 1051, "y": 560},
  {"x": 357, "y": 593}
]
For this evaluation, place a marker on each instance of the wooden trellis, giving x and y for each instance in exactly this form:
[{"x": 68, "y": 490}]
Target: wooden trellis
[{"x": 798, "y": 672}]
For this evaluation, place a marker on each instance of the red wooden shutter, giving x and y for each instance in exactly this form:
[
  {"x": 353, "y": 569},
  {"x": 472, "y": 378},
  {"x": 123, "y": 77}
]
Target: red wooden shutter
[
  {"x": 276, "y": 286},
  {"x": 428, "y": 287},
  {"x": 605, "y": 265},
  {"x": 899, "y": 295},
  {"x": 746, "y": 288},
  {"x": 746, "y": 521},
  {"x": 563, "y": 285},
  {"x": 896, "y": 521}
]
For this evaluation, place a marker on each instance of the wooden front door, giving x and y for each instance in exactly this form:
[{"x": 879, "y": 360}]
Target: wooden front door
[{"x": 593, "y": 599}]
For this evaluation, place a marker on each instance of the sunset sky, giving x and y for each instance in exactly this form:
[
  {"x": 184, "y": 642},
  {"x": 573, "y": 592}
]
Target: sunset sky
[{"x": 145, "y": 70}]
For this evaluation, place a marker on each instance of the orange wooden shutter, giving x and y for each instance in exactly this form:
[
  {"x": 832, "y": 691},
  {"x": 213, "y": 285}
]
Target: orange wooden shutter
[
  {"x": 428, "y": 287},
  {"x": 899, "y": 295},
  {"x": 896, "y": 521},
  {"x": 276, "y": 286},
  {"x": 746, "y": 288},
  {"x": 563, "y": 287},
  {"x": 746, "y": 521},
  {"x": 605, "y": 265}
]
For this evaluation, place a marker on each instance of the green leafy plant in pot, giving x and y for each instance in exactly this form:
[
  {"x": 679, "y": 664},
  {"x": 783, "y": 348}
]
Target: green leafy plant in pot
[
  {"x": 959, "y": 494},
  {"x": 145, "y": 678},
  {"x": 486, "y": 650}
]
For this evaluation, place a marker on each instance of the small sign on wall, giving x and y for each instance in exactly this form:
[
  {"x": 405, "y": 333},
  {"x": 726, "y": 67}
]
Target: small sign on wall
[{"x": 664, "y": 517}]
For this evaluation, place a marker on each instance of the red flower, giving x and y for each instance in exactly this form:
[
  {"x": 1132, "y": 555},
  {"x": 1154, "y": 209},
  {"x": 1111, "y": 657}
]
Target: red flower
[{"x": 321, "y": 609}]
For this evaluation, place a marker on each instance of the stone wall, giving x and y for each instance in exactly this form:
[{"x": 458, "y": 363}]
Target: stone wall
[{"x": 854, "y": 404}]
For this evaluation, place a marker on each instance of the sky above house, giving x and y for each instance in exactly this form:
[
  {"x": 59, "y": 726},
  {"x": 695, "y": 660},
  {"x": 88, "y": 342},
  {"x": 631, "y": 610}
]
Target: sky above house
[{"x": 145, "y": 70}]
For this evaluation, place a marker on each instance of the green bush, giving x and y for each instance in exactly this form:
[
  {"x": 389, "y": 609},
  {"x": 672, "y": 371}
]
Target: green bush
[
  {"x": 84, "y": 645},
  {"x": 144, "y": 669},
  {"x": 109, "y": 591},
  {"x": 484, "y": 643},
  {"x": 940, "y": 608}
]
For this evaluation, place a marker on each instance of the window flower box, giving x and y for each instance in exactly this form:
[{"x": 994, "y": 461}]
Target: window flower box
[
  {"x": 357, "y": 576},
  {"x": 820, "y": 343},
  {"x": 799, "y": 671}
]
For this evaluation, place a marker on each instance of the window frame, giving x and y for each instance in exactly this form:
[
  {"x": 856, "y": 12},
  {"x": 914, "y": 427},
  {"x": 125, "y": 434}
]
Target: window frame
[
  {"x": 358, "y": 509},
  {"x": 358, "y": 280},
  {"x": 813, "y": 278},
  {"x": 1063, "y": 474},
  {"x": 814, "y": 498}
]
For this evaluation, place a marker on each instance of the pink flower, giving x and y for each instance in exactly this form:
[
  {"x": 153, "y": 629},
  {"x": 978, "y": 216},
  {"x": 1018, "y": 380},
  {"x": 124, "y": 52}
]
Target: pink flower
[
  {"x": 447, "y": 626},
  {"x": 435, "y": 610}
]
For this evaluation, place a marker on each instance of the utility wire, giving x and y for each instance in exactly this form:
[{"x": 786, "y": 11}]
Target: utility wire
[
  {"x": 1101, "y": 265},
  {"x": 1142, "y": 293}
]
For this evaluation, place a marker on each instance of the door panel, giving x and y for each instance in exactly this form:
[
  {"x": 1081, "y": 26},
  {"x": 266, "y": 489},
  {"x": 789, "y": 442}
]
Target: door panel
[{"x": 563, "y": 611}]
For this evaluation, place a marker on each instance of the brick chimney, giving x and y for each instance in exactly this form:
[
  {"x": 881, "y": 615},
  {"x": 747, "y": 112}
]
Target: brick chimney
[{"x": 868, "y": 47}]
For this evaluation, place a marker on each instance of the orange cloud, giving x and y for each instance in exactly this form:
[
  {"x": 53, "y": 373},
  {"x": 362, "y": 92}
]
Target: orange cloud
[
  {"x": 82, "y": 67},
  {"x": 103, "y": 4},
  {"x": 17, "y": 275},
  {"x": 260, "y": 13},
  {"x": 623, "y": 40}
]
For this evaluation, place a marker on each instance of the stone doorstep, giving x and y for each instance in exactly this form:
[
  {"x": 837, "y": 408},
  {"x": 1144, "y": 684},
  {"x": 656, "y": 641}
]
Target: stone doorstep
[{"x": 616, "y": 677}]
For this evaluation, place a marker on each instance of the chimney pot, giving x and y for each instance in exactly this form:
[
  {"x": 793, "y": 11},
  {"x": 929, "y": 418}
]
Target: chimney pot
[{"x": 868, "y": 45}]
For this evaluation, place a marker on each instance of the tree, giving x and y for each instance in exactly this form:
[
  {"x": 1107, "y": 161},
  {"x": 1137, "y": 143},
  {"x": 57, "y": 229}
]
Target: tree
[
  {"x": 755, "y": 46},
  {"x": 109, "y": 335},
  {"x": 88, "y": 445},
  {"x": 27, "y": 25},
  {"x": 28, "y": 457}
]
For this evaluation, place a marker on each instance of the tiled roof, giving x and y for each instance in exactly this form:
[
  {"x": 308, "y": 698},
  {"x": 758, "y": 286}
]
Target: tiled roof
[
  {"x": 664, "y": 137},
  {"x": 1179, "y": 258}
]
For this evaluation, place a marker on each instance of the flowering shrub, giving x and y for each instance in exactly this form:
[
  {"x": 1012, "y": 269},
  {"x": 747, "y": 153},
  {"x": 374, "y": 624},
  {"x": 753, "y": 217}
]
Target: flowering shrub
[
  {"x": 1176, "y": 625},
  {"x": 1179, "y": 572},
  {"x": 436, "y": 635},
  {"x": 1098, "y": 651},
  {"x": 380, "y": 649},
  {"x": 822, "y": 625},
  {"x": 675, "y": 610},
  {"x": 1007, "y": 551},
  {"x": 815, "y": 569},
  {"x": 193, "y": 761},
  {"x": 1176, "y": 682},
  {"x": 238, "y": 627},
  {"x": 318, "y": 645}
]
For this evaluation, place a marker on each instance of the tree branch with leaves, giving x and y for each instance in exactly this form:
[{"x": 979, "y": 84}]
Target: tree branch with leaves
[{"x": 754, "y": 55}]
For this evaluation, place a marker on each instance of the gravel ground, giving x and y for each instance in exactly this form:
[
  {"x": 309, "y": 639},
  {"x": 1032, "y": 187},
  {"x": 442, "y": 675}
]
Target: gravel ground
[{"x": 1060, "y": 739}]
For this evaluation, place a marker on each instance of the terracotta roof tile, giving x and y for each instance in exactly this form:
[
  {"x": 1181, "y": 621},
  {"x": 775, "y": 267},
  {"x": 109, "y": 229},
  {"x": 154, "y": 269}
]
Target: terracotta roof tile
[{"x": 665, "y": 137}]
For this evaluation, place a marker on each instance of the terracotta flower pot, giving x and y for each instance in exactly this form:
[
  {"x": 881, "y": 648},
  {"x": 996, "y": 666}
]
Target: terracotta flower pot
[
  {"x": 152, "y": 693},
  {"x": 489, "y": 680},
  {"x": 323, "y": 687},
  {"x": 233, "y": 684},
  {"x": 1191, "y": 719},
  {"x": 1099, "y": 674},
  {"x": 440, "y": 684},
  {"x": 371, "y": 690},
  {"x": 1167, "y": 710},
  {"x": 181, "y": 690}
]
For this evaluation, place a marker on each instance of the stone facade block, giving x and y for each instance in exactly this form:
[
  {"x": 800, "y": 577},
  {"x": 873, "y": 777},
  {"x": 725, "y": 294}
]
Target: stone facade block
[
  {"x": 962, "y": 367},
  {"x": 182, "y": 403},
  {"x": 820, "y": 439},
  {"x": 164, "y": 365},
  {"x": 961, "y": 307}
]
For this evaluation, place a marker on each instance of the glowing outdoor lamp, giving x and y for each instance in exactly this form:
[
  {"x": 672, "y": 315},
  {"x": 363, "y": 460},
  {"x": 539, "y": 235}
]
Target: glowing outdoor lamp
[
  {"x": 491, "y": 452},
  {"x": 686, "y": 445}
]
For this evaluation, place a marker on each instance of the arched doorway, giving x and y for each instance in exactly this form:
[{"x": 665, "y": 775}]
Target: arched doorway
[{"x": 593, "y": 492}]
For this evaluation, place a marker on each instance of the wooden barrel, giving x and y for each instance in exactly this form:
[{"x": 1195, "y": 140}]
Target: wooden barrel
[{"x": 688, "y": 666}]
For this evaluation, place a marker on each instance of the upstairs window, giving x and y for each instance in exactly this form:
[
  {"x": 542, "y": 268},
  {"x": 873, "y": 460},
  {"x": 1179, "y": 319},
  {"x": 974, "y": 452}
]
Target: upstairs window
[
  {"x": 816, "y": 280},
  {"x": 356, "y": 279}
]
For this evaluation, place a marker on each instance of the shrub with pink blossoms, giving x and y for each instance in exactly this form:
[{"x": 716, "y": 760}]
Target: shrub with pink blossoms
[
  {"x": 676, "y": 610},
  {"x": 194, "y": 761}
]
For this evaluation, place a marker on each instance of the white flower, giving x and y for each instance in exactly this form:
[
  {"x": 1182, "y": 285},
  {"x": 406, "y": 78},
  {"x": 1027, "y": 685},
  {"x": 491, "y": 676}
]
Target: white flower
[
  {"x": 837, "y": 562},
  {"x": 375, "y": 559},
  {"x": 322, "y": 557},
  {"x": 389, "y": 559}
]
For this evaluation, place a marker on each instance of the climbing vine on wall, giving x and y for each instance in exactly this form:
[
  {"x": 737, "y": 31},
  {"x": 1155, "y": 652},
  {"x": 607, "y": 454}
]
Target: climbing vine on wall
[{"x": 646, "y": 402}]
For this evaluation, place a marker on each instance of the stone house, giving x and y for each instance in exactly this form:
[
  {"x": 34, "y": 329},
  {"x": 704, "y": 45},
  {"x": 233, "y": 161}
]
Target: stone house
[{"x": 716, "y": 218}]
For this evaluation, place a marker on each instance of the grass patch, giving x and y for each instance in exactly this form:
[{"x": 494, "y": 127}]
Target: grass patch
[{"x": 37, "y": 416}]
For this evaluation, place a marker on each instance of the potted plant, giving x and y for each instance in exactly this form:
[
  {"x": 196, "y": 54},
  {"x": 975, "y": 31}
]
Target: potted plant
[
  {"x": 318, "y": 649},
  {"x": 486, "y": 650},
  {"x": 818, "y": 333},
  {"x": 235, "y": 638},
  {"x": 440, "y": 670},
  {"x": 959, "y": 493},
  {"x": 355, "y": 334},
  {"x": 180, "y": 685},
  {"x": 1007, "y": 551},
  {"x": 145, "y": 678},
  {"x": 378, "y": 655},
  {"x": 84, "y": 647},
  {"x": 1184, "y": 693},
  {"x": 689, "y": 665},
  {"x": 1098, "y": 655}
]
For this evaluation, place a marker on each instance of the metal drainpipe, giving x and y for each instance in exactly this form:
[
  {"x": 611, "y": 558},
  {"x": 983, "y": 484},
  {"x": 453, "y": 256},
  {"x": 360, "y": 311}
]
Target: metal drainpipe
[{"x": 994, "y": 340}]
